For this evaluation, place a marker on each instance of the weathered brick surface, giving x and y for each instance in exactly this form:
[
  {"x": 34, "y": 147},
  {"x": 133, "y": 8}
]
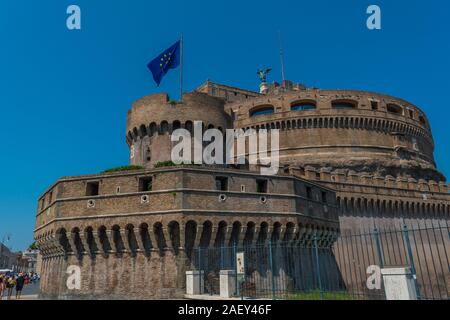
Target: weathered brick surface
[
  {"x": 180, "y": 198},
  {"x": 372, "y": 166}
]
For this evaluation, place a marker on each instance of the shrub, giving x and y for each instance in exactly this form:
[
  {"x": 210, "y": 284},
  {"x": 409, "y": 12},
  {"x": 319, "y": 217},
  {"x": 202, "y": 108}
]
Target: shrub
[
  {"x": 163, "y": 164},
  {"x": 33, "y": 246},
  {"x": 124, "y": 168}
]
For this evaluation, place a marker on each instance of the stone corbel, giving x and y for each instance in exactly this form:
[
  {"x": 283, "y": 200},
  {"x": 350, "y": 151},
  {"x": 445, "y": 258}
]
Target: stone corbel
[
  {"x": 140, "y": 241},
  {"x": 83, "y": 238},
  {"x": 125, "y": 239},
  {"x": 227, "y": 236},
  {"x": 182, "y": 238},
  {"x": 268, "y": 235},
  {"x": 213, "y": 236},
  {"x": 167, "y": 239},
  {"x": 241, "y": 236},
  {"x": 73, "y": 247},
  {"x": 281, "y": 235},
  {"x": 109, "y": 236},
  {"x": 153, "y": 240},
  {"x": 98, "y": 243},
  {"x": 198, "y": 236},
  {"x": 291, "y": 236},
  {"x": 255, "y": 235}
]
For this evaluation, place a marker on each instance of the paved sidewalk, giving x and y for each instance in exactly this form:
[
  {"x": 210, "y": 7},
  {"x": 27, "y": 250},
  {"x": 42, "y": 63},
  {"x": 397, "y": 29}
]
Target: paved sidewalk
[
  {"x": 29, "y": 292},
  {"x": 215, "y": 297},
  {"x": 26, "y": 297}
]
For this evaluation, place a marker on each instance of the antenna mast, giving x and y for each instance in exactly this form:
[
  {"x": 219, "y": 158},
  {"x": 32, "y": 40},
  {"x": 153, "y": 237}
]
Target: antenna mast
[{"x": 281, "y": 55}]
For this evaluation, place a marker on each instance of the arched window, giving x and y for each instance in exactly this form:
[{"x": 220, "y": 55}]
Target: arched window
[
  {"x": 153, "y": 128},
  {"x": 393, "y": 108},
  {"x": 343, "y": 104},
  {"x": 422, "y": 120},
  {"x": 176, "y": 125},
  {"x": 164, "y": 127},
  {"x": 142, "y": 130},
  {"x": 262, "y": 110},
  {"x": 135, "y": 132},
  {"x": 189, "y": 126},
  {"x": 303, "y": 105}
]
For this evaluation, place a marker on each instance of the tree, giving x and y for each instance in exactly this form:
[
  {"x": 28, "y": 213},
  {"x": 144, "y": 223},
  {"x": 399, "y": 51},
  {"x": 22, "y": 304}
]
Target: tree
[{"x": 33, "y": 246}]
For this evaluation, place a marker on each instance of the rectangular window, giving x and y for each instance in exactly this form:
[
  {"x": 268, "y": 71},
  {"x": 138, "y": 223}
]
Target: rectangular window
[
  {"x": 309, "y": 193},
  {"x": 50, "y": 197},
  {"x": 261, "y": 186},
  {"x": 233, "y": 116},
  {"x": 222, "y": 183},
  {"x": 302, "y": 171},
  {"x": 374, "y": 105},
  {"x": 411, "y": 114},
  {"x": 324, "y": 197},
  {"x": 92, "y": 188},
  {"x": 145, "y": 184},
  {"x": 242, "y": 188},
  {"x": 392, "y": 108},
  {"x": 343, "y": 105}
]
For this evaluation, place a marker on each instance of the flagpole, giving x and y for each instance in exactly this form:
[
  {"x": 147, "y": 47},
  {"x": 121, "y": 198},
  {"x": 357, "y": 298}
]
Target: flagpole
[{"x": 181, "y": 68}]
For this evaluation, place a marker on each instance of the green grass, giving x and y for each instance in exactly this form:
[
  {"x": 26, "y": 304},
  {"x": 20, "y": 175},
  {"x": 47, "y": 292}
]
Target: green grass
[
  {"x": 123, "y": 168},
  {"x": 163, "y": 164},
  {"x": 315, "y": 295}
]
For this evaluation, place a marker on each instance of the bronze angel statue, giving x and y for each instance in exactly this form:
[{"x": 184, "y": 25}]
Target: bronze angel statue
[{"x": 262, "y": 74}]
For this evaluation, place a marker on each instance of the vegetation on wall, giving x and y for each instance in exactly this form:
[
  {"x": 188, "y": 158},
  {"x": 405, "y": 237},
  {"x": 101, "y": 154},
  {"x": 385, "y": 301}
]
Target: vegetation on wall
[
  {"x": 163, "y": 164},
  {"x": 33, "y": 246},
  {"x": 124, "y": 168}
]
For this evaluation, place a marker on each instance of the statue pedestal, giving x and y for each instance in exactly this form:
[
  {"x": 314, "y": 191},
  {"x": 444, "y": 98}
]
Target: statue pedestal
[
  {"x": 263, "y": 87},
  {"x": 399, "y": 284},
  {"x": 194, "y": 282},
  {"x": 227, "y": 283}
]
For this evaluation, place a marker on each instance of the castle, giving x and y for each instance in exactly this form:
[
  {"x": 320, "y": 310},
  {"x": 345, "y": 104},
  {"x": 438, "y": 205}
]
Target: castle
[{"x": 348, "y": 160}]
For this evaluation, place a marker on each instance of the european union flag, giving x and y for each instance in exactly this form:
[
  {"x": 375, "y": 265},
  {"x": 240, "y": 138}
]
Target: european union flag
[{"x": 169, "y": 59}]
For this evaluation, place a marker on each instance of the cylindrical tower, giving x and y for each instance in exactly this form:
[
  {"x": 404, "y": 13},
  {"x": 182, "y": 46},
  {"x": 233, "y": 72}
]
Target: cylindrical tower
[
  {"x": 152, "y": 119},
  {"x": 370, "y": 132}
]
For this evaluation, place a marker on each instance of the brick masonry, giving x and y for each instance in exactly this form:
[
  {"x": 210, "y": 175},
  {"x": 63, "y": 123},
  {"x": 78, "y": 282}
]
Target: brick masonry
[{"x": 368, "y": 163}]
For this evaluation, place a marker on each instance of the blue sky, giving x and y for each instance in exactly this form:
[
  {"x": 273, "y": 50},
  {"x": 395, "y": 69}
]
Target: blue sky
[{"x": 64, "y": 94}]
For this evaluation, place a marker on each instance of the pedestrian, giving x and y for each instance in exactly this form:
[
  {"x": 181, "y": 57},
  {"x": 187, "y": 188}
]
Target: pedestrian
[
  {"x": 2, "y": 285},
  {"x": 20, "y": 281},
  {"x": 10, "y": 284}
]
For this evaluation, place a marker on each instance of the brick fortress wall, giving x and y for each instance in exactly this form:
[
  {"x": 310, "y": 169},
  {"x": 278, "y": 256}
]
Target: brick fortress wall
[{"x": 134, "y": 243}]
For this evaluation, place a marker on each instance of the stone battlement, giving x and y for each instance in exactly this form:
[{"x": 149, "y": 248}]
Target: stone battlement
[
  {"x": 367, "y": 179},
  {"x": 157, "y": 113}
]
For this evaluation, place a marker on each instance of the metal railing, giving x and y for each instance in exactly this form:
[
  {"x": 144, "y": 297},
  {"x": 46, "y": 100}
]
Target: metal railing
[{"x": 349, "y": 269}]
